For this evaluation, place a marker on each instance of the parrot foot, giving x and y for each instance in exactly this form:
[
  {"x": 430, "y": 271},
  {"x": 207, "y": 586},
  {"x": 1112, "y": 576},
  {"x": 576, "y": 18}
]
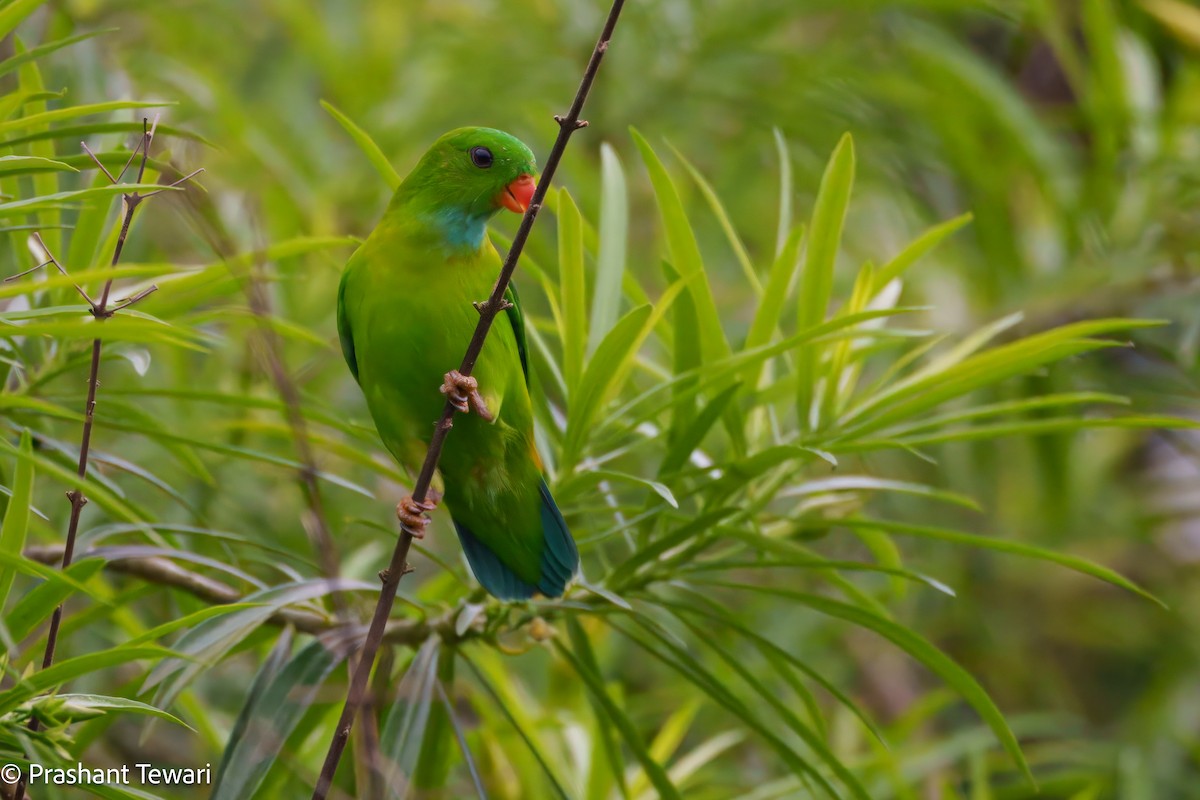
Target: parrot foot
[
  {"x": 413, "y": 515},
  {"x": 463, "y": 393}
]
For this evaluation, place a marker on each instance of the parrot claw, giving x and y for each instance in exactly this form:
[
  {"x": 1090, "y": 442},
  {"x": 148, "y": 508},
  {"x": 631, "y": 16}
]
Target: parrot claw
[
  {"x": 413, "y": 515},
  {"x": 463, "y": 393}
]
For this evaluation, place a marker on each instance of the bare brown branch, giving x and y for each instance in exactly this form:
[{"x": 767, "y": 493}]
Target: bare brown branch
[
  {"x": 164, "y": 572},
  {"x": 37, "y": 237}
]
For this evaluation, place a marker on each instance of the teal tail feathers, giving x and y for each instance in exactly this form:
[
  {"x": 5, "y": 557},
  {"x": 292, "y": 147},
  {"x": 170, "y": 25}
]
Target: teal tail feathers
[{"x": 560, "y": 558}]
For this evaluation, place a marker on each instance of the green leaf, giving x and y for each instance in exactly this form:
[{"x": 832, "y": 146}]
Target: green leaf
[
  {"x": 715, "y": 613},
  {"x": 367, "y": 145},
  {"x": 714, "y": 203},
  {"x": 785, "y": 194},
  {"x": 583, "y": 482},
  {"x": 13, "y": 62},
  {"x": 691, "y": 529},
  {"x": 925, "y": 390},
  {"x": 72, "y": 668},
  {"x": 610, "y": 258},
  {"x": 919, "y": 648},
  {"x": 13, "y": 12},
  {"x": 920, "y": 246},
  {"x": 791, "y": 720},
  {"x": 16, "y": 516},
  {"x": 816, "y": 280},
  {"x": 77, "y": 132},
  {"x": 277, "y": 700},
  {"x": 868, "y": 483},
  {"x": 105, "y": 703},
  {"x": 689, "y": 439},
  {"x": 607, "y": 368},
  {"x": 186, "y": 621},
  {"x": 690, "y": 668},
  {"x": 39, "y": 603},
  {"x": 1002, "y": 546},
  {"x": 29, "y": 78},
  {"x": 404, "y": 729},
  {"x": 27, "y": 165},
  {"x": 573, "y": 285},
  {"x": 686, "y": 358},
  {"x": 510, "y": 713},
  {"x": 32, "y": 204},
  {"x": 769, "y": 313},
  {"x": 595, "y": 686},
  {"x": 685, "y": 253},
  {"x": 71, "y": 112},
  {"x": 205, "y": 645}
]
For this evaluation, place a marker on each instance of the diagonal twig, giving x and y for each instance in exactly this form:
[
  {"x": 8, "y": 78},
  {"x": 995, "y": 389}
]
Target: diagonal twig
[
  {"x": 98, "y": 163},
  {"x": 567, "y": 125},
  {"x": 165, "y": 572},
  {"x": 120, "y": 305},
  {"x": 173, "y": 184},
  {"x": 29, "y": 271},
  {"x": 37, "y": 237}
]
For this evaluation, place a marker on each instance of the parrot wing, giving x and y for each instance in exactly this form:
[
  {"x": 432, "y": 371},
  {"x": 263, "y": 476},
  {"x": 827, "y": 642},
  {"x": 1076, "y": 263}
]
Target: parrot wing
[
  {"x": 343, "y": 325},
  {"x": 516, "y": 316}
]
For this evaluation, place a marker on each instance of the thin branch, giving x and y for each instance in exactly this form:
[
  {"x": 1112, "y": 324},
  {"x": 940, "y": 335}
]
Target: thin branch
[
  {"x": 103, "y": 169},
  {"x": 101, "y": 311},
  {"x": 164, "y": 572},
  {"x": 184, "y": 179},
  {"x": 315, "y": 519},
  {"x": 37, "y": 237},
  {"x": 356, "y": 694},
  {"x": 142, "y": 295},
  {"x": 29, "y": 271}
]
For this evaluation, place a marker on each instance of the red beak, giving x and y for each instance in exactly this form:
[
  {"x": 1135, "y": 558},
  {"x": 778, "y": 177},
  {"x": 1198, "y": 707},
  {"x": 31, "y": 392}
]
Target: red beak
[{"x": 516, "y": 195}]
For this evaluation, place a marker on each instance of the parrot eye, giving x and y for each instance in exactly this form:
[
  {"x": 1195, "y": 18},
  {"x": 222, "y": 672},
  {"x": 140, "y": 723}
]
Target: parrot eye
[{"x": 481, "y": 157}]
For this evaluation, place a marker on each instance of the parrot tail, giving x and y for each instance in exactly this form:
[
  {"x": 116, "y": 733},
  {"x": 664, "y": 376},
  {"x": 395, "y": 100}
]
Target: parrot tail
[{"x": 560, "y": 558}]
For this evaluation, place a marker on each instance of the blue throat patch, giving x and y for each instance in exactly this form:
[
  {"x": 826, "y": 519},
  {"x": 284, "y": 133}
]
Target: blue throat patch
[{"x": 461, "y": 229}]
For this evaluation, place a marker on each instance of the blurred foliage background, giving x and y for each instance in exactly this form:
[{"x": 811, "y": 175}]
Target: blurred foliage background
[{"x": 1069, "y": 131}]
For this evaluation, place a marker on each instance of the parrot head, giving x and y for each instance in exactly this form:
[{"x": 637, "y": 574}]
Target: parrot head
[{"x": 476, "y": 172}]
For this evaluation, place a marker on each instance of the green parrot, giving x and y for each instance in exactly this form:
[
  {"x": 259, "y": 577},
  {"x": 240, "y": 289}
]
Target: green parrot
[{"x": 405, "y": 316}]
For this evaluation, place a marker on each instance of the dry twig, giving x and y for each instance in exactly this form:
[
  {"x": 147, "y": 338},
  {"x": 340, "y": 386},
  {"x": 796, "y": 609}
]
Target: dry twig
[{"x": 165, "y": 572}]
